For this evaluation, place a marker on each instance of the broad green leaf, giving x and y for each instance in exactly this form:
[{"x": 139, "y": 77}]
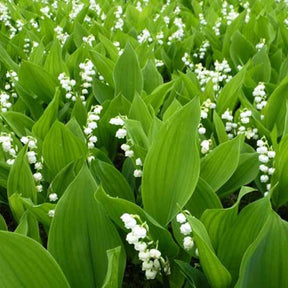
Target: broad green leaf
[
  {"x": 171, "y": 167},
  {"x": 54, "y": 63},
  {"x": 35, "y": 79},
  {"x": 81, "y": 233},
  {"x": 269, "y": 247},
  {"x": 241, "y": 50},
  {"x": 219, "y": 221},
  {"x": 136, "y": 133},
  {"x": 275, "y": 109},
  {"x": 131, "y": 81},
  {"x": 50, "y": 115},
  {"x": 16, "y": 271},
  {"x": 194, "y": 276},
  {"x": 20, "y": 180},
  {"x": 4, "y": 173},
  {"x": 118, "y": 106},
  {"x": 220, "y": 164},
  {"x": 156, "y": 98},
  {"x": 217, "y": 275},
  {"x": 111, "y": 49},
  {"x": 203, "y": 198},
  {"x": 246, "y": 172},
  {"x": 3, "y": 225},
  {"x": 228, "y": 96},
  {"x": 7, "y": 60},
  {"x": 116, "y": 207},
  {"x": 64, "y": 177},
  {"x": 39, "y": 211},
  {"x": 79, "y": 112},
  {"x": 112, "y": 279},
  {"x": 113, "y": 182},
  {"x": 242, "y": 233},
  {"x": 61, "y": 147},
  {"x": 104, "y": 66},
  {"x": 152, "y": 78},
  {"x": 30, "y": 101},
  {"x": 18, "y": 122},
  {"x": 172, "y": 108},
  {"x": 280, "y": 195},
  {"x": 139, "y": 111},
  {"x": 220, "y": 128},
  {"x": 28, "y": 226}
]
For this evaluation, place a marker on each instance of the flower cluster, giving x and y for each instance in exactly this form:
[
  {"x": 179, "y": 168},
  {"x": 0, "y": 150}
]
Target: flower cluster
[
  {"x": 60, "y": 35},
  {"x": 206, "y": 106},
  {"x": 219, "y": 76},
  {"x": 179, "y": 33},
  {"x": 260, "y": 97},
  {"x": 138, "y": 172},
  {"x": 93, "y": 117},
  {"x": 89, "y": 39},
  {"x": 5, "y": 102},
  {"x": 234, "y": 128},
  {"x": 187, "y": 60},
  {"x": 261, "y": 44},
  {"x": 144, "y": 36},
  {"x": 248, "y": 11},
  {"x": 67, "y": 84},
  {"x": 6, "y": 140},
  {"x": 121, "y": 133},
  {"x": 33, "y": 160},
  {"x": 217, "y": 26},
  {"x": 266, "y": 158},
  {"x": 231, "y": 15},
  {"x": 186, "y": 230},
  {"x": 203, "y": 49},
  {"x": 86, "y": 73},
  {"x": 153, "y": 262},
  {"x": 119, "y": 21},
  {"x": 205, "y": 146}
]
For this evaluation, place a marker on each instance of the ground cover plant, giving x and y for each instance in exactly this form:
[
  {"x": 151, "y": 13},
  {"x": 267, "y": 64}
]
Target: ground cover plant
[{"x": 143, "y": 143}]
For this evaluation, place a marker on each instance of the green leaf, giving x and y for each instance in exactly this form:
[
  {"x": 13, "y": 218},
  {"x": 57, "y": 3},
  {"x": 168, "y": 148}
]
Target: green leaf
[
  {"x": 156, "y": 98},
  {"x": 275, "y": 109},
  {"x": 246, "y": 172},
  {"x": 242, "y": 233},
  {"x": 218, "y": 222},
  {"x": 171, "y": 167},
  {"x": 217, "y": 275},
  {"x": 54, "y": 63},
  {"x": 50, "y": 115},
  {"x": 16, "y": 271},
  {"x": 104, "y": 66},
  {"x": 280, "y": 195},
  {"x": 139, "y": 111},
  {"x": 28, "y": 226},
  {"x": 113, "y": 182},
  {"x": 203, "y": 198},
  {"x": 220, "y": 128},
  {"x": 228, "y": 96},
  {"x": 81, "y": 233},
  {"x": 61, "y": 147},
  {"x": 20, "y": 180},
  {"x": 194, "y": 277},
  {"x": 112, "y": 279},
  {"x": 241, "y": 50},
  {"x": 35, "y": 79},
  {"x": 131, "y": 81},
  {"x": 18, "y": 122},
  {"x": 3, "y": 225},
  {"x": 220, "y": 164},
  {"x": 40, "y": 211},
  {"x": 269, "y": 247},
  {"x": 116, "y": 207},
  {"x": 152, "y": 78}
]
